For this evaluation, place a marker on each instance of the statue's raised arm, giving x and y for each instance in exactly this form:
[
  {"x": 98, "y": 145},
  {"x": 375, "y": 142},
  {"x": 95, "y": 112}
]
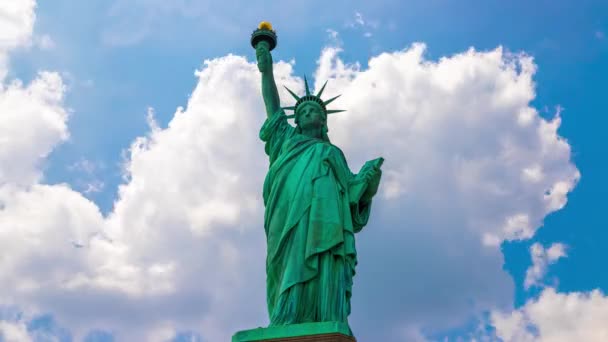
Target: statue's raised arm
[{"x": 264, "y": 40}]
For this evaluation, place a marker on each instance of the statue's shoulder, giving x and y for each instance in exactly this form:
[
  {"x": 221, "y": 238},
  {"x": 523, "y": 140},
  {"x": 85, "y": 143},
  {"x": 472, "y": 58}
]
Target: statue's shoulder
[
  {"x": 335, "y": 148},
  {"x": 335, "y": 152}
]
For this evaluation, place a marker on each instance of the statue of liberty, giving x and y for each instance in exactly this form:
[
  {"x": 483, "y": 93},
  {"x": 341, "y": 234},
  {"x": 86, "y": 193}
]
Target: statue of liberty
[{"x": 314, "y": 204}]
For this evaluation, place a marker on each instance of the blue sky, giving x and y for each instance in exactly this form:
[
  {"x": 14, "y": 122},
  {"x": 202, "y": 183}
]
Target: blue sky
[{"x": 118, "y": 59}]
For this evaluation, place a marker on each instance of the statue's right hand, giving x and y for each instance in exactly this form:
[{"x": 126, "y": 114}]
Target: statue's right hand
[{"x": 264, "y": 57}]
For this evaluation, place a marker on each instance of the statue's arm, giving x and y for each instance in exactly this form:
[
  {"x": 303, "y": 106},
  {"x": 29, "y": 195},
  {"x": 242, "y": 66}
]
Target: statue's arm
[
  {"x": 372, "y": 177},
  {"x": 363, "y": 187},
  {"x": 269, "y": 87}
]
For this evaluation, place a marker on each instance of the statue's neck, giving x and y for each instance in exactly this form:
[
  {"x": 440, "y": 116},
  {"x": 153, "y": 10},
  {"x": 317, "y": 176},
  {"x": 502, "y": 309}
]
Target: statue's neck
[{"x": 313, "y": 132}]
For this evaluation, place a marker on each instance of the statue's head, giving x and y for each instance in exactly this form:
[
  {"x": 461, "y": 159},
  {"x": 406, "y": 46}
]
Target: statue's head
[
  {"x": 310, "y": 111},
  {"x": 310, "y": 115}
]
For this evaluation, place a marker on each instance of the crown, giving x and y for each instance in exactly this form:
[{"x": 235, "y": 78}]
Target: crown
[{"x": 311, "y": 98}]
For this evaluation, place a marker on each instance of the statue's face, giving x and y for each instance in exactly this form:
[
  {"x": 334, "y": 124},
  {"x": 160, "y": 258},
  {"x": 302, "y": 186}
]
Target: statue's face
[{"x": 310, "y": 115}]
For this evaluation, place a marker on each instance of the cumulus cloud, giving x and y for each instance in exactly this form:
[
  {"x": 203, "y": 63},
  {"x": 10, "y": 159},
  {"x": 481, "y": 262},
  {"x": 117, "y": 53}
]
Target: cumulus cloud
[
  {"x": 14, "y": 332},
  {"x": 197, "y": 201},
  {"x": 33, "y": 123},
  {"x": 556, "y": 317},
  {"x": 469, "y": 164},
  {"x": 541, "y": 259},
  {"x": 467, "y": 116},
  {"x": 16, "y": 25},
  {"x": 33, "y": 119}
]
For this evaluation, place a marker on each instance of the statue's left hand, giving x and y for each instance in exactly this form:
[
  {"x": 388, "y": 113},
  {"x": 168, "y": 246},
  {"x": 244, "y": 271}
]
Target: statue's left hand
[
  {"x": 372, "y": 177},
  {"x": 264, "y": 57}
]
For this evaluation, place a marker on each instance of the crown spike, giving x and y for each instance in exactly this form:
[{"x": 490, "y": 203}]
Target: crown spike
[
  {"x": 306, "y": 86},
  {"x": 331, "y": 100},
  {"x": 292, "y": 94},
  {"x": 321, "y": 91},
  {"x": 311, "y": 98}
]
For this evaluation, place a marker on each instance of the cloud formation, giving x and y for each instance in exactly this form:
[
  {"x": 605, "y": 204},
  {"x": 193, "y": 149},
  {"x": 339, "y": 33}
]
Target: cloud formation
[
  {"x": 556, "y": 317},
  {"x": 541, "y": 259},
  {"x": 33, "y": 123},
  {"x": 469, "y": 164},
  {"x": 14, "y": 332},
  {"x": 16, "y": 25}
]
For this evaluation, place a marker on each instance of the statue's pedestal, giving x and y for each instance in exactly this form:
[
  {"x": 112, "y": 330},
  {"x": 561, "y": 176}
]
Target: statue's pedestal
[{"x": 305, "y": 332}]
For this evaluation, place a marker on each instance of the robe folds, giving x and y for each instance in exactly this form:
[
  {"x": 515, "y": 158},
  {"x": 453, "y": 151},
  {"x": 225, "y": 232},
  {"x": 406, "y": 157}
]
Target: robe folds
[{"x": 310, "y": 221}]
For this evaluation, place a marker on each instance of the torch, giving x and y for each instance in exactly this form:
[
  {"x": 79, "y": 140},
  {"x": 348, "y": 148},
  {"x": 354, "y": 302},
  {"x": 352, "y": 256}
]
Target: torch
[{"x": 264, "y": 32}]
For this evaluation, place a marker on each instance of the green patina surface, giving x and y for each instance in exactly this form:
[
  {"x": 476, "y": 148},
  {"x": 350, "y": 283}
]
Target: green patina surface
[
  {"x": 294, "y": 330},
  {"x": 314, "y": 206}
]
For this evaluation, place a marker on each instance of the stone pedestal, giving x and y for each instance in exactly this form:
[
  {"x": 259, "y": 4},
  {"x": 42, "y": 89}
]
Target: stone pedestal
[{"x": 305, "y": 332}]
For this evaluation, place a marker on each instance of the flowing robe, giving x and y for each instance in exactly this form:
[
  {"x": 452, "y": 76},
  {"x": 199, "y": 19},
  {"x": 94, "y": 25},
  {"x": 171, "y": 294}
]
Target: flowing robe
[{"x": 310, "y": 221}]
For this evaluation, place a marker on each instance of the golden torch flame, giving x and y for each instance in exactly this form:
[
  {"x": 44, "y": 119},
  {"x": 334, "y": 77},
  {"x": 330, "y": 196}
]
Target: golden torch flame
[{"x": 264, "y": 25}]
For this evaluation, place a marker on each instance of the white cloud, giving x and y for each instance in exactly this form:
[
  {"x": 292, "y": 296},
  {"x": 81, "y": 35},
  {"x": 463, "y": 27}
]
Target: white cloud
[
  {"x": 183, "y": 247},
  {"x": 45, "y": 42},
  {"x": 16, "y": 25},
  {"x": 455, "y": 149},
  {"x": 556, "y": 317},
  {"x": 454, "y": 133},
  {"x": 33, "y": 122},
  {"x": 14, "y": 332},
  {"x": 359, "y": 19},
  {"x": 533, "y": 174},
  {"x": 541, "y": 259},
  {"x": 33, "y": 119},
  {"x": 332, "y": 34},
  {"x": 359, "y": 22},
  {"x": 38, "y": 223}
]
